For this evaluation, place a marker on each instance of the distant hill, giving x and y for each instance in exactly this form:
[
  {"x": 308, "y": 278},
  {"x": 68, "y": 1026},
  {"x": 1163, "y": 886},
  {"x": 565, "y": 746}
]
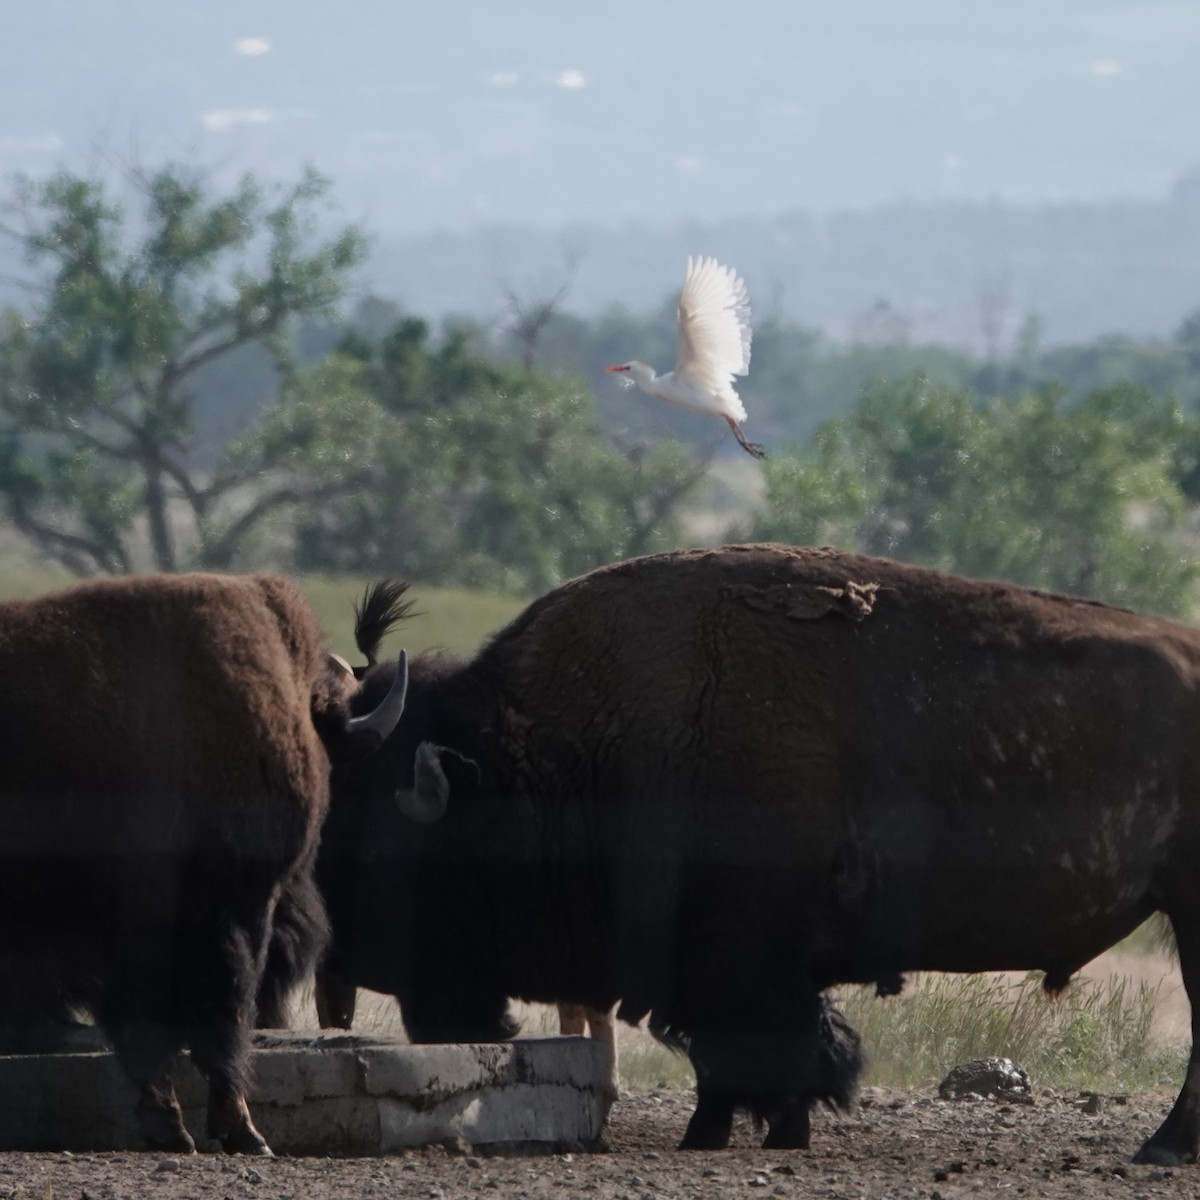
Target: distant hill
[{"x": 964, "y": 274}]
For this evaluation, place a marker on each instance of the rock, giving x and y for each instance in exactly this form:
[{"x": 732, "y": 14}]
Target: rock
[{"x": 998, "y": 1078}]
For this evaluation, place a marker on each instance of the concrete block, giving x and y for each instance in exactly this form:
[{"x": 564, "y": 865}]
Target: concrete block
[{"x": 346, "y": 1094}]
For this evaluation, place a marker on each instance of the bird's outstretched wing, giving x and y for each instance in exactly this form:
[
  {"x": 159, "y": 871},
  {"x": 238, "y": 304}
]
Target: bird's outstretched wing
[{"x": 714, "y": 325}]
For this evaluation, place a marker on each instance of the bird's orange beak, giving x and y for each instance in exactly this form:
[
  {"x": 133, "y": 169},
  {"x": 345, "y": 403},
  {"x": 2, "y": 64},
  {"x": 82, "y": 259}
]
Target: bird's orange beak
[{"x": 622, "y": 367}]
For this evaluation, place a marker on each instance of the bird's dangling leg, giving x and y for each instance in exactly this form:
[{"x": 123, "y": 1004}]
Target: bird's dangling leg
[{"x": 750, "y": 447}]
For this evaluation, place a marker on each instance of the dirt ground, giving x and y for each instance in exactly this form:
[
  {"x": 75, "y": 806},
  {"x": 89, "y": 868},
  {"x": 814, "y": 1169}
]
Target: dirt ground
[{"x": 894, "y": 1144}]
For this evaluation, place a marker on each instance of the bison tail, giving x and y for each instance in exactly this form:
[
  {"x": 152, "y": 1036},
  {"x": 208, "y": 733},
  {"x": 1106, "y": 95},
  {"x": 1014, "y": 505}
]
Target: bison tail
[
  {"x": 299, "y": 935},
  {"x": 841, "y": 1059},
  {"x": 382, "y": 607},
  {"x": 665, "y": 1034},
  {"x": 836, "y": 1067}
]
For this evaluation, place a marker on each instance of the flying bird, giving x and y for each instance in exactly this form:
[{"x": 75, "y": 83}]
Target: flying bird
[{"x": 714, "y": 346}]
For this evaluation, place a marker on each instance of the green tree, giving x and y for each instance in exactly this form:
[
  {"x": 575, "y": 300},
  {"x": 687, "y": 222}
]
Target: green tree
[
  {"x": 97, "y": 377},
  {"x": 472, "y": 472},
  {"x": 1085, "y": 498}
]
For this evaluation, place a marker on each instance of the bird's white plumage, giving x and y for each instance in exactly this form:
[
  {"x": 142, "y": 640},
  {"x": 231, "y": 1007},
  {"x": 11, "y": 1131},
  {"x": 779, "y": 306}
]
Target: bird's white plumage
[
  {"x": 714, "y": 342},
  {"x": 714, "y": 325},
  {"x": 714, "y": 346}
]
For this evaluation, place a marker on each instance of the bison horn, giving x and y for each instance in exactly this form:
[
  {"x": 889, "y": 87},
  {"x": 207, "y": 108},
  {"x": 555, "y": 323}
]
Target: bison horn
[
  {"x": 426, "y": 802},
  {"x": 340, "y": 663},
  {"x": 384, "y": 717}
]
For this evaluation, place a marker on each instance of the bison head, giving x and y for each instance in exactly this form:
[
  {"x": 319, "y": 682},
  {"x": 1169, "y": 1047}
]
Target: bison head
[{"x": 349, "y": 738}]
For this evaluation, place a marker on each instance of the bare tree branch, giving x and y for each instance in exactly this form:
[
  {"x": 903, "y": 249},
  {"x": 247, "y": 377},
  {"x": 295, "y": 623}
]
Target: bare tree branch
[
  {"x": 80, "y": 555},
  {"x": 662, "y": 504},
  {"x": 154, "y": 458},
  {"x": 530, "y": 317},
  {"x": 220, "y": 552},
  {"x": 128, "y": 453}
]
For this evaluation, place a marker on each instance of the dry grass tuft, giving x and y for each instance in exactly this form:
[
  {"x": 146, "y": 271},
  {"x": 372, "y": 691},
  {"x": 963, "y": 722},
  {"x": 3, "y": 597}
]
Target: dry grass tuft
[
  {"x": 1110, "y": 1031},
  {"x": 1123, "y": 1026}
]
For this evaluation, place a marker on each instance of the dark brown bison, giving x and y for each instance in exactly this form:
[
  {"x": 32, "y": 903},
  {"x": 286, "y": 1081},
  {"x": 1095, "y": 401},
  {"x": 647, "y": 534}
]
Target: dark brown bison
[
  {"x": 711, "y": 784},
  {"x": 558, "y": 879},
  {"x": 335, "y": 993},
  {"x": 166, "y": 773}
]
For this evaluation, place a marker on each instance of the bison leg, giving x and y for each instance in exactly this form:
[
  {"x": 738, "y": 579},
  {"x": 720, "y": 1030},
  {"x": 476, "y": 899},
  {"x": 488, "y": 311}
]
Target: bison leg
[
  {"x": 229, "y": 1121},
  {"x": 574, "y": 1020},
  {"x": 135, "y": 1013},
  {"x": 455, "y": 1008},
  {"x": 788, "y": 1125},
  {"x": 712, "y": 1121},
  {"x": 603, "y": 1029},
  {"x": 731, "y": 1074},
  {"x": 158, "y": 1112},
  {"x": 776, "y": 1063},
  {"x": 335, "y": 996},
  {"x": 833, "y": 1079},
  {"x": 219, "y": 989},
  {"x": 161, "y": 1119},
  {"x": 1177, "y": 1139}
]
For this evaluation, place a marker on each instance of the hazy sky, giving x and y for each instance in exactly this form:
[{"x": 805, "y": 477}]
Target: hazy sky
[{"x": 449, "y": 114}]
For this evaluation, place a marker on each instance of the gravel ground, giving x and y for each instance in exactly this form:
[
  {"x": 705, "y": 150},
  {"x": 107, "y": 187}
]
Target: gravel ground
[{"x": 894, "y": 1144}]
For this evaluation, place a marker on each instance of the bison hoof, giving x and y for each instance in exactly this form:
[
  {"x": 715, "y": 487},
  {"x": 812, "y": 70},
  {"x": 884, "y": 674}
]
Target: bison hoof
[
  {"x": 175, "y": 1142},
  {"x": 1157, "y": 1156},
  {"x": 788, "y": 1127},
  {"x": 163, "y": 1130},
  {"x": 691, "y": 1142},
  {"x": 789, "y": 1137},
  {"x": 246, "y": 1141},
  {"x": 256, "y": 1146},
  {"x": 702, "y": 1136}
]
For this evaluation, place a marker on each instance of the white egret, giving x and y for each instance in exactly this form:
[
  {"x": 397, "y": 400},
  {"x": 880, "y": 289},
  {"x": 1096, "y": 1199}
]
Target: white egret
[{"x": 714, "y": 346}]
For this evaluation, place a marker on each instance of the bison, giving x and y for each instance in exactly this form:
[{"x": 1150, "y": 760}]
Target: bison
[
  {"x": 168, "y": 742},
  {"x": 710, "y": 784},
  {"x": 546, "y": 883}
]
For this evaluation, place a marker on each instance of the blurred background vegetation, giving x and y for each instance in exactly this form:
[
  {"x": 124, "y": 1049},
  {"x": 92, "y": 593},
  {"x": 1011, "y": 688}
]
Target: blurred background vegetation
[{"x": 200, "y": 381}]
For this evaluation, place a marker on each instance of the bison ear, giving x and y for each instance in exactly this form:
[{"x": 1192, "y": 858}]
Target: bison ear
[{"x": 426, "y": 802}]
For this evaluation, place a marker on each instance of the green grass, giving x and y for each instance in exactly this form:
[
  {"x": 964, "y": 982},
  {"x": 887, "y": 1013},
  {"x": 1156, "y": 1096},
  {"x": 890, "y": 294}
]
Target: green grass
[
  {"x": 445, "y": 618},
  {"x": 21, "y": 583}
]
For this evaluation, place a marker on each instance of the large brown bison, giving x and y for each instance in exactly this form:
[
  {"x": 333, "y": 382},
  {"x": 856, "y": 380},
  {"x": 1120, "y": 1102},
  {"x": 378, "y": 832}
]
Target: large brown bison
[
  {"x": 167, "y": 745},
  {"x": 711, "y": 784}
]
